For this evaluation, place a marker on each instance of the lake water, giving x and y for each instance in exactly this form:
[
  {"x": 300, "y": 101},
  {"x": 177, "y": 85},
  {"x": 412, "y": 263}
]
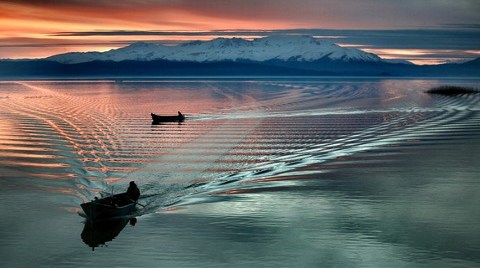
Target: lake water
[{"x": 263, "y": 173}]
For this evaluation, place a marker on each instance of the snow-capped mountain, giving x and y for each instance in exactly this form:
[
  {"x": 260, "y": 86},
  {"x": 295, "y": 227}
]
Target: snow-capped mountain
[{"x": 283, "y": 48}]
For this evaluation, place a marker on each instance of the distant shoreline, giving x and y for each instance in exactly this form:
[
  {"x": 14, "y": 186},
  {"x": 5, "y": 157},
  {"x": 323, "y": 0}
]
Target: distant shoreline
[
  {"x": 452, "y": 90},
  {"x": 43, "y": 69},
  {"x": 131, "y": 79}
]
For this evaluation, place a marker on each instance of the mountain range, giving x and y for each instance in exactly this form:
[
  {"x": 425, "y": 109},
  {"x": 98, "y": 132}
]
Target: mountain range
[
  {"x": 273, "y": 55},
  {"x": 284, "y": 48}
]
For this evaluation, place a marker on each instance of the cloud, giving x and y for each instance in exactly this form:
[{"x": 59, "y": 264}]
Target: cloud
[
  {"x": 394, "y": 39},
  {"x": 307, "y": 13},
  {"x": 374, "y": 24},
  {"x": 166, "y": 33}
]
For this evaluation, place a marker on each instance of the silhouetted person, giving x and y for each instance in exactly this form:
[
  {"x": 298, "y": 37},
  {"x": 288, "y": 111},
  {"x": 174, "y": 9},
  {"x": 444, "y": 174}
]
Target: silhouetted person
[{"x": 133, "y": 192}]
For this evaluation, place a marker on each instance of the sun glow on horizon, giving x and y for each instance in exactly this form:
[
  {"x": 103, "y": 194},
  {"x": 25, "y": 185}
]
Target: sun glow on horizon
[{"x": 422, "y": 56}]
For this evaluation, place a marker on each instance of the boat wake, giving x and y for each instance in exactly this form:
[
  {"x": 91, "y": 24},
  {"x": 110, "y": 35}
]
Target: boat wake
[{"x": 82, "y": 139}]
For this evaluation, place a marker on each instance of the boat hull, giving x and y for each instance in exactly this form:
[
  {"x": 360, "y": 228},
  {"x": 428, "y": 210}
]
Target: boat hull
[
  {"x": 160, "y": 118},
  {"x": 114, "y": 206}
]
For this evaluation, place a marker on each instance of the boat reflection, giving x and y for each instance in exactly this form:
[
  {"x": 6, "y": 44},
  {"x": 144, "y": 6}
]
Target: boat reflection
[
  {"x": 157, "y": 123},
  {"x": 97, "y": 233}
]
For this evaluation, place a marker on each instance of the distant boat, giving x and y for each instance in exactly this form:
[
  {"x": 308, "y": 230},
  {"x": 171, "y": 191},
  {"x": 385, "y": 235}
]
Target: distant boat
[
  {"x": 170, "y": 118},
  {"x": 114, "y": 206}
]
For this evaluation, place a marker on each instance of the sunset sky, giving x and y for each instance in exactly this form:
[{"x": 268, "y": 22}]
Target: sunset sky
[{"x": 423, "y": 31}]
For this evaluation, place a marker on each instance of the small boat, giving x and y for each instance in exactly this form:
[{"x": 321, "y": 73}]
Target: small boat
[
  {"x": 110, "y": 207},
  {"x": 169, "y": 118}
]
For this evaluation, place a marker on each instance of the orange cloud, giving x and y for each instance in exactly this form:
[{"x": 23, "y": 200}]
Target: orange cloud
[
  {"x": 38, "y": 24},
  {"x": 24, "y": 22}
]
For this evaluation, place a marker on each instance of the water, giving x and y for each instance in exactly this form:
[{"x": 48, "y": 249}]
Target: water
[{"x": 263, "y": 173}]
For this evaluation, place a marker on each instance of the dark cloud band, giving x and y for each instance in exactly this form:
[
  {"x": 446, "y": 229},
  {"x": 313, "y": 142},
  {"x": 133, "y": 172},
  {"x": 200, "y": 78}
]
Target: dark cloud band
[{"x": 458, "y": 38}]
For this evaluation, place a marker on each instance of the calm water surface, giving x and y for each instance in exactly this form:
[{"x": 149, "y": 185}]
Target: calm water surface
[{"x": 263, "y": 173}]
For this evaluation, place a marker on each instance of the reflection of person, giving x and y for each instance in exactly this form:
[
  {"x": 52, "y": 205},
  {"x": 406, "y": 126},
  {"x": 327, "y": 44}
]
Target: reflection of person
[{"x": 133, "y": 192}]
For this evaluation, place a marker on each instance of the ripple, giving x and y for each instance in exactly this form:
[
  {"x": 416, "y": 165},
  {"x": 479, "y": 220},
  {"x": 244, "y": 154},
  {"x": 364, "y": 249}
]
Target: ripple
[{"x": 240, "y": 135}]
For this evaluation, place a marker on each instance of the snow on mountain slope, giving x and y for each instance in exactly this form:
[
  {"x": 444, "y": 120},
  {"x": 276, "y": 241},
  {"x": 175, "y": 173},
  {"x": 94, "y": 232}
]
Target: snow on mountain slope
[{"x": 285, "y": 48}]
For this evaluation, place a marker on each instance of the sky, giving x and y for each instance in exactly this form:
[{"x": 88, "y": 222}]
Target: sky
[{"x": 422, "y": 31}]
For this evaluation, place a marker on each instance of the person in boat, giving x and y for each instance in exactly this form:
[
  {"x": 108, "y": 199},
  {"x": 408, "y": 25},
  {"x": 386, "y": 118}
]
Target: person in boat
[
  {"x": 180, "y": 115},
  {"x": 133, "y": 192}
]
